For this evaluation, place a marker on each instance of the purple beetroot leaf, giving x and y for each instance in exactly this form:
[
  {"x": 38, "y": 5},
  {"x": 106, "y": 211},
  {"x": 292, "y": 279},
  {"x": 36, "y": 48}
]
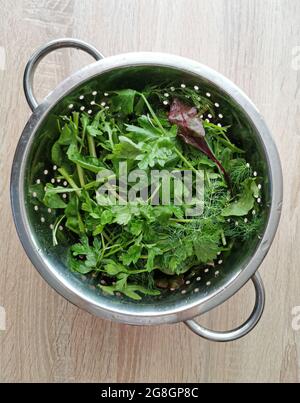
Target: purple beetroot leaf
[{"x": 191, "y": 129}]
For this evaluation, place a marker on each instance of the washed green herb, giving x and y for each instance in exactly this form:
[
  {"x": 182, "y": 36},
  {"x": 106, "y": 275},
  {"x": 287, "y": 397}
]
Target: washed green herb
[{"x": 141, "y": 247}]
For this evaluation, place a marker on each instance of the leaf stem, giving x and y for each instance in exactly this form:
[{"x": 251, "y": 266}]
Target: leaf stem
[
  {"x": 105, "y": 236},
  {"x": 79, "y": 168},
  {"x": 182, "y": 220},
  {"x": 120, "y": 248},
  {"x": 80, "y": 175},
  {"x": 187, "y": 163},
  {"x": 71, "y": 182},
  {"x": 54, "y": 231},
  {"x": 92, "y": 147},
  {"x": 103, "y": 246},
  {"x": 152, "y": 113},
  {"x": 223, "y": 238}
]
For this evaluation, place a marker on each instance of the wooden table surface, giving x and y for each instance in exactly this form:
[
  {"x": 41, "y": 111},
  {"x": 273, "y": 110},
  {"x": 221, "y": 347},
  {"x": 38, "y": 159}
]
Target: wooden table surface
[{"x": 253, "y": 42}]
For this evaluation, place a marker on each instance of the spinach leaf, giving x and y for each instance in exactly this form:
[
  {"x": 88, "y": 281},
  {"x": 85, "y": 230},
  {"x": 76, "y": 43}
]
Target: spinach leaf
[{"x": 245, "y": 201}]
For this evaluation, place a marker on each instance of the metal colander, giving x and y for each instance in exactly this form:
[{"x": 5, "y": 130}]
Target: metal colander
[{"x": 201, "y": 290}]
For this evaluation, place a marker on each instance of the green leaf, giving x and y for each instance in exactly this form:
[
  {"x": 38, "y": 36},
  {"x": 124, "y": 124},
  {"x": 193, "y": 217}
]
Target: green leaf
[
  {"x": 93, "y": 131},
  {"x": 123, "y": 101},
  {"x": 158, "y": 153},
  {"x": 84, "y": 121},
  {"x": 126, "y": 149},
  {"x": 107, "y": 217},
  {"x": 206, "y": 250},
  {"x": 121, "y": 283},
  {"x": 132, "y": 289},
  {"x": 123, "y": 214},
  {"x": 90, "y": 163},
  {"x": 37, "y": 192},
  {"x": 109, "y": 289},
  {"x": 245, "y": 202},
  {"x": 146, "y": 131},
  {"x": 57, "y": 154},
  {"x": 91, "y": 253},
  {"x": 52, "y": 199},
  {"x": 239, "y": 171},
  {"x": 112, "y": 268},
  {"x": 123, "y": 217},
  {"x": 185, "y": 250},
  {"x": 72, "y": 213},
  {"x": 67, "y": 135},
  {"x": 132, "y": 255},
  {"x": 135, "y": 227},
  {"x": 161, "y": 214},
  {"x": 138, "y": 240},
  {"x": 78, "y": 266},
  {"x": 98, "y": 230},
  {"x": 153, "y": 252}
]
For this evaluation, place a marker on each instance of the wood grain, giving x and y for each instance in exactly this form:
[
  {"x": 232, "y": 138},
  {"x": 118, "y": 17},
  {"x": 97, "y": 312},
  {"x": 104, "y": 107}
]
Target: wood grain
[{"x": 251, "y": 42}]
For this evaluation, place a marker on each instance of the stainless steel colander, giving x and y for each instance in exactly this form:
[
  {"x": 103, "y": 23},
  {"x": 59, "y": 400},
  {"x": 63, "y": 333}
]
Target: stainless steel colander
[{"x": 201, "y": 291}]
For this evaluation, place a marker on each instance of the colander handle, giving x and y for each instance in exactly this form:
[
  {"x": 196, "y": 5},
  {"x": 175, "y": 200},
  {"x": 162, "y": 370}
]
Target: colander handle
[
  {"x": 242, "y": 330},
  {"x": 41, "y": 53}
]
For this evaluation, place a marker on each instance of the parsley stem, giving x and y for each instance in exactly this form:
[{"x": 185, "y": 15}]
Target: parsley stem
[
  {"x": 71, "y": 182},
  {"x": 92, "y": 185},
  {"x": 92, "y": 147},
  {"x": 223, "y": 238},
  {"x": 82, "y": 139},
  {"x": 103, "y": 246},
  {"x": 112, "y": 246},
  {"x": 120, "y": 248},
  {"x": 207, "y": 177},
  {"x": 78, "y": 167},
  {"x": 105, "y": 236},
  {"x": 187, "y": 163},
  {"x": 54, "y": 231},
  {"x": 80, "y": 175},
  {"x": 152, "y": 113},
  {"x": 182, "y": 220},
  {"x": 112, "y": 239}
]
